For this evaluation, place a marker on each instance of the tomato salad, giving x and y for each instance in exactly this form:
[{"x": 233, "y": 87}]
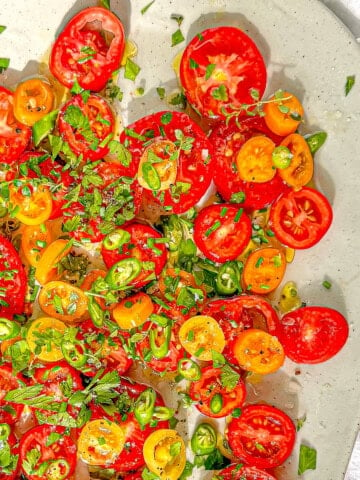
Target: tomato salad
[{"x": 111, "y": 268}]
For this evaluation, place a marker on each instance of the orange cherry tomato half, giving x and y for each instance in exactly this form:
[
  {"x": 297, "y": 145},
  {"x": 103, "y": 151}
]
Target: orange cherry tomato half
[
  {"x": 49, "y": 350},
  {"x": 258, "y": 351},
  {"x": 133, "y": 311},
  {"x": 254, "y": 160},
  {"x": 283, "y": 113},
  {"x": 301, "y": 168},
  {"x": 47, "y": 265},
  {"x": 264, "y": 269},
  {"x": 63, "y": 301},
  {"x": 34, "y": 239},
  {"x": 33, "y": 99},
  {"x": 32, "y": 205}
]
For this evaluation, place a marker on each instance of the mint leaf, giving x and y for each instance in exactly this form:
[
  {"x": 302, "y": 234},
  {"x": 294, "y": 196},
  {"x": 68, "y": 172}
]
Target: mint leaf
[{"x": 307, "y": 459}]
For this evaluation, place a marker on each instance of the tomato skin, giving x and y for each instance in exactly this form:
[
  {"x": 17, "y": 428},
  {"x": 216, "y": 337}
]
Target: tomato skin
[
  {"x": 14, "y": 136},
  {"x": 93, "y": 73},
  {"x": 239, "y": 67},
  {"x": 301, "y": 218},
  {"x": 246, "y": 472},
  {"x": 264, "y": 425},
  {"x": 228, "y": 240},
  {"x": 9, "y": 381},
  {"x": 15, "y": 284},
  {"x": 312, "y": 334},
  {"x": 204, "y": 390}
]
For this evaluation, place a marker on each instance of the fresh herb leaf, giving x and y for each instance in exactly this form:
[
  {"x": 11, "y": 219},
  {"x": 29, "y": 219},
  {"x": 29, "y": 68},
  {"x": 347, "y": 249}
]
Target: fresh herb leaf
[
  {"x": 2, "y": 28},
  {"x": 132, "y": 70},
  {"x": 209, "y": 70},
  {"x": 177, "y": 37},
  {"x": 300, "y": 423},
  {"x": 146, "y": 8},
  {"x": 307, "y": 459},
  {"x": 220, "y": 93},
  {"x": 229, "y": 377},
  {"x": 4, "y": 64},
  {"x": 105, "y": 4},
  {"x": 350, "y": 82},
  {"x": 178, "y": 18},
  {"x": 161, "y": 92}
]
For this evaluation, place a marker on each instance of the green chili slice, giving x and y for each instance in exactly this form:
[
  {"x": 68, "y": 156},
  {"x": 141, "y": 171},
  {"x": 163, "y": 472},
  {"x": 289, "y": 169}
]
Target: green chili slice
[
  {"x": 122, "y": 273},
  {"x": 216, "y": 403},
  {"x": 163, "y": 413},
  {"x": 204, "y": 439},
  {"x": 73, "y": 352},
  {"x": 151, "y": 176},
  {"x": 281, "y": 157},
  {"x": 316, "y": 140},
  {"x": 228, "y": 279},
  {"x": 5, "y": 431},
  {"x": 116, "y": 239},
  {"x": 189, "y": 369},
  {"x": 160, "y": 341},
  {"x": 144, "y": 406},
  {"x": 96, "y": 313},
  {"x": 8, "y": 329},
  {"x": 57, "y": 470}
]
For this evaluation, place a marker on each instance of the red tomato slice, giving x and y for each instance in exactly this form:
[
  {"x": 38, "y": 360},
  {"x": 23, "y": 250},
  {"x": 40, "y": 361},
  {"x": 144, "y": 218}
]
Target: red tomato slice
[
  {"x": 143, "y": 247},
  {"x": 218, "y": 69},
  {"x": 312, "y": 334},
  {"x": 9, "y": 381},
  {"x": 243, "y": 472},
  {"x": 262, "y": 436},
  {"x": 52, "y": 379},
  {"x": 89, "y": 49},
  {"x": 210, "y": 385},
  {"x": 193, "y": 163},
  {"x": 13, "y": 280},
  {"x": 227, "y": 141},
  {"x": 222, "y": 232},
  {"x": 239, "y": 313},
  {"x": 86, "y": 124},
  {"x": 300, "y": 218},
  {"x": 14, "y": 136}
]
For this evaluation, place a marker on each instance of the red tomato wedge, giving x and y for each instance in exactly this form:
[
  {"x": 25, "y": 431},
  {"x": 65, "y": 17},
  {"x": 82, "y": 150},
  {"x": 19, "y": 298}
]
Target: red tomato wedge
[
  {"x": 89, "y": 49},
  {"x": 243, "y": 472},
  {"x": 218, "y": 70},
  {"x": 312, "y": 334},
  {"x": 262, "y": 436}
]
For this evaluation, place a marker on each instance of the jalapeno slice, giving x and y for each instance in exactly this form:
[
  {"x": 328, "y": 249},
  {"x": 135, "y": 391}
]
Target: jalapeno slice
[
  {"x": 228, "y": 279},
  {"x": 316, "y": 140},
  {"x": 151, "y": 176},
  {"x": 204, "y": 439},
  {"x": 122, "y": 273},
  {"x": 4, "y": 432},
  {"x": 216, "y": 403},
  {"x": 74, "y": 353},
  {"x": 96, "y": 313},
  {"x": 58, "y": 470},
  {"x": 189, "y": 369},
  {"x": 163, "y": 413},
  {"x": 144, "y": 406},
  {"x": 8, "y": 329},
  {"x": 115, "y": 239},
  {"x": 160, "y": 341}
]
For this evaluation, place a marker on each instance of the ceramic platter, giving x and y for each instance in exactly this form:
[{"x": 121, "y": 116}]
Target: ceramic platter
[{"x": 309, "y": 52}]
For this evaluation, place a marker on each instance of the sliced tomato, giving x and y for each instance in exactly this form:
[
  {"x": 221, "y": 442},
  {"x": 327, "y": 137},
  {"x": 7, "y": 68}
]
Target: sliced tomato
[
  {"x": 9, "y": 412},
  {"x": 301, "y": 168},
  {"x": 53, "y": 377},
  {"x": 9, "y": 467},
  {"x": 13, "y": 280},
  {"x": 218, "y": 70},
  {"x": 243, "y": 472},
  {"x": 264, "y": 270},
  {"x": 300, "y": 218},
  {"x": 33, "y": 98},
  {"x": 89, "y": 49},
  {"x": 222, "y": 232},
  {"x": 193, "y": 153},
  {"x": 312, "y": 334},
  {"x": 86, "y": 125},
  {"x": 262, "y": 436},
  {"x": 14, "y": 136},
  {"x": 146, "y": 245},
  {"x": 212, "y": 397}
]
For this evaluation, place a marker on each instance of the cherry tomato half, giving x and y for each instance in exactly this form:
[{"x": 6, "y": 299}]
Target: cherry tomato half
[{"x": 243, "y": 472}]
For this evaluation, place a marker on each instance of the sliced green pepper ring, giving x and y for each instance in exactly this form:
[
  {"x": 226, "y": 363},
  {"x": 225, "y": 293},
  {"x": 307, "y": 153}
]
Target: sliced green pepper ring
[
  {"x": 144, "y": 406},
  {"x": 115, "y": 239},
  {"x": 5, "y": 431},
  {"x": 228, "y": 279},
  {"x": 160, "y": 341},
  {"x": 151, "y": 176},
  {"x": 122, "y": 273},
  {"x": 315, "y": 141},
  {"x": 216, "y": 403},
  {"x": 189, "y": 369},
  {"x": 74, "y": 353},
  {"x": 8, "y": 329},
  {"x": 96, "y": 313},
  {"x": 204, "y": 439},
  {"x": 57, "y": 470},
  {"x": 163, "y": 413}
]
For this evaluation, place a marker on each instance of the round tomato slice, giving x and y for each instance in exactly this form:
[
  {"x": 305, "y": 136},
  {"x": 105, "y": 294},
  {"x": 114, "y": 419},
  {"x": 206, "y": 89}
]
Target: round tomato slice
[
  {"x": 191, "y": 151},
  {"x": 212, "y": 397},
  {"x": 264, "y": 270},
  {"x": 13, "y": 280},
  {"x": 262, "y": 436},
  {"x": 89, "y": 49},
  {"x": 312, "y": 334},
  {"x": 301, "y": 168},
  {"x": 9, "y": 381},
  {"x": 219, "y": 68},
  {"x": 243, "y": 472},
  {"x": 85, "y": 125},
  {"x": 53, "y": 453},
  {"x": 301, "y": 218},
  {"x": 222, "y": 232},
  {"x": 14, "y": 136},
  {"x": 33, "y": 98},
  {"x": 146, "y": 245}
]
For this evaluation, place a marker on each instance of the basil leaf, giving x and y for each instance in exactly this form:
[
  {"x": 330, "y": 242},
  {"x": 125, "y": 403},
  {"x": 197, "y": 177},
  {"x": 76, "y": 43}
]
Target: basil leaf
[
  {"x": 307, "y": 459},
  {"x": 177, "y": 37}
]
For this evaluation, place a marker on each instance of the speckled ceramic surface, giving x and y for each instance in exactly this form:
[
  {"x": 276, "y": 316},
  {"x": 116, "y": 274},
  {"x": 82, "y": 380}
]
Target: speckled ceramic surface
[{"x": 309, "y": 52}]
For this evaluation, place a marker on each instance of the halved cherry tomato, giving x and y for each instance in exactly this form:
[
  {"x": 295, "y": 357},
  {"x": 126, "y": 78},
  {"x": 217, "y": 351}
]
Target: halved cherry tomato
[
  {"x": 44, "y": 337},
  {"x": 63, "y": 301},
  {"x": 214, "y": 399},
  {"x": 164, "y": 454},
  {"x": 312, "y": 334},
  {"x": 254, "y": 160},
  {"x": 301, "y": 218},
  {"x": 89, "y": 49},
  {"x": 262, "y": 436},
  {"x": 87, "y": 125},
  {"x": 13, "y": 280},
  {"x": 218, "y": 69},
  {"x": 14, "y": 136},
  {"x": 34, "y": 239},
  {"x": 242, "y": 472},
  {"x": 259, "y": 352},
  {"x": 301, "y": 168},
  {"x": 133, "y": 311},
  {"x": 9, "y": 412},
  {"x": 283, "y": 113},
  {"x": 200, "y": 335},
  {"x": 264, "y": 270},
  {"x": 32, "y": 204},
  {"x": 46, "y": 269},
  {"x": 33, "y": 98},
  {"x": 222, "y": 232},
  {"x": 55, "y": 457}
]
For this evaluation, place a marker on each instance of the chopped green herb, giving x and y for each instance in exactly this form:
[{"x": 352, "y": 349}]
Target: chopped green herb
[
  {"x": 161, "y": 92},
  {"x": 178, "y": 18},
  {"x": 350, "y": 82},
  {"x": 220, "y": 93},
  {"x": 4, "y": 64},
  {"x": 193, "y": 64},
  {"x": 326, "y": 284},
  {"x": 209, "y": 70},
  {"x": 307, "y": 459},
  {"x": 177, "y": 37},
  {"x": 213, "y": 228},
  {"x": 2, "y": 28},
  {"x": 131, "y": 70},
  {"x": 146, "y": 8},
  {"x": 105, "y": 4}
]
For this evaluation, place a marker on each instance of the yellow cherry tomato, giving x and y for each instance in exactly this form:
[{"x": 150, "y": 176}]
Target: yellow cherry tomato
[
  {"x": 200, "y": 335},
  {"x": 63, "y": 301},
  {"x": 254, "y": 160},
  {"x": 164, "y": 454},
  {"x": 158, "y": 166},
  {"x": 33, "y": 99},
  {"x": 44, "y": 338},
  {"x": 46, "y": 269},
  {"x": 100, "y": 442},
  {"x": 32, "y": 205},
  {"x": 133, "y": 311},
  {"x": 34, "y": 240}
]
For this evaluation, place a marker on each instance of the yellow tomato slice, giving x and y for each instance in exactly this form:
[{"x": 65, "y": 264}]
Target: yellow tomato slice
[
  {"x": 33, "y": 99},
  {"x": 133, "y": 311},
  {"x": 158, "y": 166},
  {"x": 63, "y": 301},
  {"x": 44, "y": 337},
  {"x": 200, "y": 335},
  {"x": 47, "y": 265},
  {"x": 264, "y": 270},
  {"x": 164, "y": 454},
  {"x": 301, "y": 168},
  {"x": 32, "y": 205},
  {"x": 34, "y": 239},
  {"x": 254, "y": 160},
  {"x": 100, "y": 442}
]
